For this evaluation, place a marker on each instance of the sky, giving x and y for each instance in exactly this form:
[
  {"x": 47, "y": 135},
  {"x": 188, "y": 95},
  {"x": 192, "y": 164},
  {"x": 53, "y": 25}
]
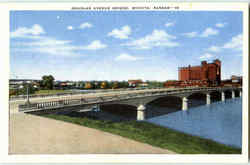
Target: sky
[{"x": 122, "y": 45}]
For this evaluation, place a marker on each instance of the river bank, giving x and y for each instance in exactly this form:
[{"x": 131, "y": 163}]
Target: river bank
[{"x": 152, "y": 134}]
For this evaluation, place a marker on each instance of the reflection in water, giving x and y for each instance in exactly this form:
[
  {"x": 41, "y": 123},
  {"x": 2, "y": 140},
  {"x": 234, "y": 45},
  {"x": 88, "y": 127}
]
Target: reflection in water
[{"x": 220, "y": 121}]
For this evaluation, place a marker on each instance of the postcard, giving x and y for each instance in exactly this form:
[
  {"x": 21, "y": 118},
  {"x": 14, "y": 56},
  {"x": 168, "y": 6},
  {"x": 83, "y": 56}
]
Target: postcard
[{"x": 125, "y": 82}]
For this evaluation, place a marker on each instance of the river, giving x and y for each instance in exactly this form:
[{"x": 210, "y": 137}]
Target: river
[{"x": 219, "y": 121}]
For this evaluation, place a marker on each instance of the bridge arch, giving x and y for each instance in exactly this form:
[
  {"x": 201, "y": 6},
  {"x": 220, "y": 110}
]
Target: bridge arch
[
  {"x": 170, "y": 101},
  {"x": 197, "y": 99},
  {"x": 228, "y": 94},
  {"x": 237, "y": 93},
  {"x": 216, "y": 96},
  {"x": 119, "y": 111},
  {"x": 163, "y": 105}
]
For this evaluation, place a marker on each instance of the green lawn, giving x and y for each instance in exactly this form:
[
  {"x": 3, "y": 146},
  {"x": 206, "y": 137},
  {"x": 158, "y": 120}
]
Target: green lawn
[
  {"x": 52, "y": 91},
  {"x": 154, "y": 135}
]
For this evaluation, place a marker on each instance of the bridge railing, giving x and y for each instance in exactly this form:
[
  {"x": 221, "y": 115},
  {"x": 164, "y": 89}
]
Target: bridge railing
[{"x": 76, "y": 93}]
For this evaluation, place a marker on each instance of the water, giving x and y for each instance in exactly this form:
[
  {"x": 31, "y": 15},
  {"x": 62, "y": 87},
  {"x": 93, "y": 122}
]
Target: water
[{"x": 220, "y": 121}]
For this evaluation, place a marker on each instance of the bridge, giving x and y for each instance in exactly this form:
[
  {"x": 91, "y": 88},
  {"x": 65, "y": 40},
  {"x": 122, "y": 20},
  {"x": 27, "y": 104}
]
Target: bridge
[{"x": 138, "y": 99}]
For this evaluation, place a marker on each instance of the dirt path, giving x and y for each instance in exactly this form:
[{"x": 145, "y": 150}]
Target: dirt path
[{"x": 31, "y": 134}]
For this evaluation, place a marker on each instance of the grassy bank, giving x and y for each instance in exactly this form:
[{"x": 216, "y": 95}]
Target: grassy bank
[{"x": 154, "y": 135}]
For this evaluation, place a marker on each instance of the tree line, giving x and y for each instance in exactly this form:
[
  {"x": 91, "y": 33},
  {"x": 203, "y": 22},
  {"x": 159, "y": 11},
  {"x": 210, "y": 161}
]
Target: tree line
[{"x": 48, "y": 83}]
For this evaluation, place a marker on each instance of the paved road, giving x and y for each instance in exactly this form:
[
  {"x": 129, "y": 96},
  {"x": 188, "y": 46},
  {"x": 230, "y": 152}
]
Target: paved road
[
  {"x": 89, "y": 95},
  {"x": 31, "y": 134}
]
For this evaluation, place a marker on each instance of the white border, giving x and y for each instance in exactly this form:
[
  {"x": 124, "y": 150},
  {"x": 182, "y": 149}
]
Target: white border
[
  {"x": 116, "y": 158},
  {"x": 107, "y": 1}
]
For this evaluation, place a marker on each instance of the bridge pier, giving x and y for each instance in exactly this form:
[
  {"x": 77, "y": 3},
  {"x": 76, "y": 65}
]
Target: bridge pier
[
  {"x": 97, "y": 108},
  {"x": 141, "y": 112},
  {"x": 184, "y": 103},
  {"x": 233, "y": 94},
  {"x": 208, "y": 99},
  {"x": 222, "y": 96}
]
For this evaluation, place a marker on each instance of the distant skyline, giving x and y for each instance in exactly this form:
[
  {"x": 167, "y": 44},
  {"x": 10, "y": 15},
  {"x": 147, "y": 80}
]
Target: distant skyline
[{"x": 91, "y": 45}]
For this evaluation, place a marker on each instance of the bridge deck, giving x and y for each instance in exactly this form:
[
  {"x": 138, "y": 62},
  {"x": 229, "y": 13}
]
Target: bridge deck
[{"x": 109, "y": 98}]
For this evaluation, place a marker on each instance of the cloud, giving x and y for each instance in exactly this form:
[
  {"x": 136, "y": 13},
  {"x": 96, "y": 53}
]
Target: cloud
[
  {"x": 206, "y": 56},
  {"x": 125, "y": 57},
  {"x": 122, "y": 33},
  {"x": 206, "y": 33},
  {"x": 235, "y": 43},
  {"x": 70, "y": 27},
  {"x": 158, "y": 38},
  {"x": 41, "y": 44},
  {"x": 48, "y": 45},
  {"x": 25, "y": 32},
  {"x": 95, "y": 45},
  {"x": 53, "y": 46},
  {"x": 214, "y": 49},
  {"x": 46, "y": 41},
  {"x": 57, "y": 51},
  {"x": 220, "y": 25},
  {"x": 85, "y": 25},
  {"x": 209, "y": 32},
  {"x": 169, "y": 24},
  {"x": 191, "y": 34}
]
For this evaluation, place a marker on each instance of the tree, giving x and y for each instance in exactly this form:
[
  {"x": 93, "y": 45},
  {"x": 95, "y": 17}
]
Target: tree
[
  {"x": 48, "y": 81},
  {"x": 155, "y": 84},
  {"x": 88, "y": 85},
  {"x": 115, "y": 85},
  {"x": 23, "y": 90},
  {"x": 103, "y": 85},
  {"x": 123, "y": 84},
  {"x": 13, "y": 92}
]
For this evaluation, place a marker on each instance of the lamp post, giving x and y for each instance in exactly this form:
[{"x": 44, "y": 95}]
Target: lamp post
[
  {"x": 27, "y": 95},
  {"x": 18, "y": 90}
]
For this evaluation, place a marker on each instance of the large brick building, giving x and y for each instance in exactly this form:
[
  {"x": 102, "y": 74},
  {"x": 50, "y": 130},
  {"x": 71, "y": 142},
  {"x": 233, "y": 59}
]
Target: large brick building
[{"x": 206, "y": 72}]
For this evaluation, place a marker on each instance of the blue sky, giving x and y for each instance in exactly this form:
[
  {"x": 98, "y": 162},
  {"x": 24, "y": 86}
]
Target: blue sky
[{"x": 91, "y": 45}]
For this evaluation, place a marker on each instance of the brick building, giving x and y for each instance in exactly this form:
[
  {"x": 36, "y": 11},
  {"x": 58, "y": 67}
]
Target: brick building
[{"x": 209, "y": 73}]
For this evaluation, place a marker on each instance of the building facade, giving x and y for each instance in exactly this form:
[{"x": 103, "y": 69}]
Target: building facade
[{"x": 208, "y": 73}]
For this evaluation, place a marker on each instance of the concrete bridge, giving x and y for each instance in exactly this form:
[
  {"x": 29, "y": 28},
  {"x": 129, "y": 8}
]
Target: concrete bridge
[{"x": 138, "y": 99}]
